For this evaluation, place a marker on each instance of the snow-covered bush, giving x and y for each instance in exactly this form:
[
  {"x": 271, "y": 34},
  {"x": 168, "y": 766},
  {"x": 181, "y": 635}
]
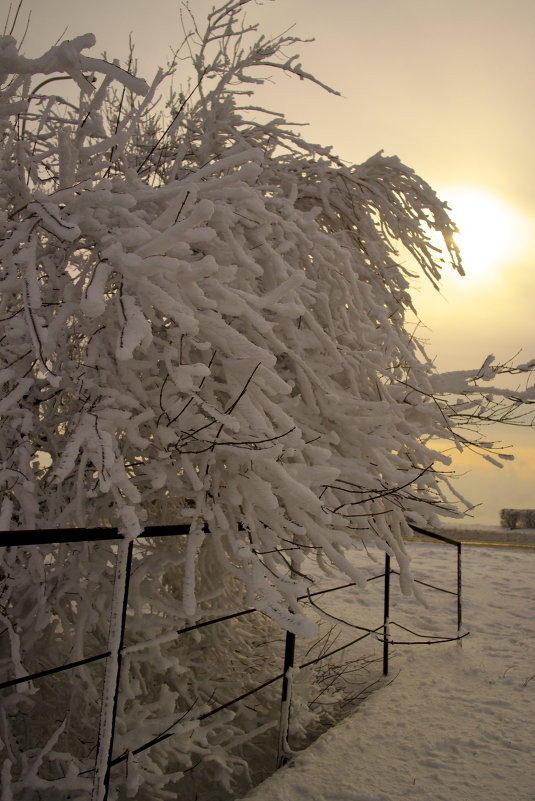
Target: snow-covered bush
[
  {"x": 514, "y": 518},
  {"x": 203, "y": 317}
]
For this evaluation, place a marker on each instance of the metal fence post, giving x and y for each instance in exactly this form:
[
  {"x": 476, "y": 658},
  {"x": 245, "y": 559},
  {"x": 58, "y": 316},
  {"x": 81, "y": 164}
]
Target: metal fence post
[
  {"x": 110, "y": 693},
  {"x": 283, "y": 752},
  {"x": 386, "y": 628},
  {"x": 459, "y": 593}
]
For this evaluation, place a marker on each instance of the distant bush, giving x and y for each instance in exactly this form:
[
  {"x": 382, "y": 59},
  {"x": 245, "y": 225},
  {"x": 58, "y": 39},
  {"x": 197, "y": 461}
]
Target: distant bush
[{"x": 517, "y": 518}]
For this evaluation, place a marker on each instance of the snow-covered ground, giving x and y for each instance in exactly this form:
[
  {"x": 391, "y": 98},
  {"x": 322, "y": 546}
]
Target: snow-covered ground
[
  {"x": 455, "y": 723},
  {"x": 473, "y": 532}
]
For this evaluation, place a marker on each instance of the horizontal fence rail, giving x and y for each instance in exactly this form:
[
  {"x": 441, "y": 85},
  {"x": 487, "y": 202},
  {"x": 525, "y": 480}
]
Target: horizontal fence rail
[
  {"x": 105, "y": 760},
  {"x": 52, "y": 536}
]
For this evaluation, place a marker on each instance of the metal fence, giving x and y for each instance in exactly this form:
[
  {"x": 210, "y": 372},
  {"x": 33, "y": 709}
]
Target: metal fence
[{"x": 105, "y": 760}]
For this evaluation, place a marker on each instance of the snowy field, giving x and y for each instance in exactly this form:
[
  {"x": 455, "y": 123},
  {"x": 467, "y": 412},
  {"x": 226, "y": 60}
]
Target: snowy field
[
  {"x": 472, "y": 532},
  {"x": 455, "y": 723}
]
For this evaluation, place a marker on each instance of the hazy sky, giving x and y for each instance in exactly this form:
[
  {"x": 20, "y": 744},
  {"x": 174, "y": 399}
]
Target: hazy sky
[{"x": 449, "y": 87}]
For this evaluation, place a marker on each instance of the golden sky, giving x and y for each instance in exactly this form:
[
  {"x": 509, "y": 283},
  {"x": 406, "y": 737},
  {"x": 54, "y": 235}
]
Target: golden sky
[{"x": 449, "y": 87}]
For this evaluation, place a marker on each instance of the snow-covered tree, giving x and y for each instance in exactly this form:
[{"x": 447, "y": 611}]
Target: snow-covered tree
[{"x": 203, "y": 318}]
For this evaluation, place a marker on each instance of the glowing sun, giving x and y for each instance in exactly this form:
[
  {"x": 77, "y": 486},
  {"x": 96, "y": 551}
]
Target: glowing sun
[{"x": 491, "y": 232}]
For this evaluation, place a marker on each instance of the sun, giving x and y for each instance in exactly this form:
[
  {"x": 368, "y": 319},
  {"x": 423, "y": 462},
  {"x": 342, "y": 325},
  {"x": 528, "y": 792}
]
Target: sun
[{"x": 490, "y": 230}]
